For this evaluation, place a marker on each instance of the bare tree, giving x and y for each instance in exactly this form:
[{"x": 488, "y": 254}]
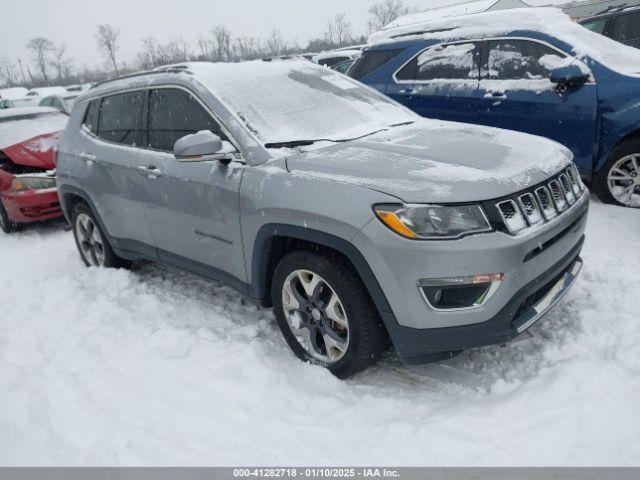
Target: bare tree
[
  {"x": 8, "y": 73},
  {"x": 338, "y": 31},
  {"x": 204, "y": 46},
  {"x": 385, "y": 12},
  {"x": 40, "y": 48},
  {"x": 275, "y": 44},
  {"x": 61, "y": 62},
  {"x": 221, "y": 43},
  {"x": 107, "y": 38}
]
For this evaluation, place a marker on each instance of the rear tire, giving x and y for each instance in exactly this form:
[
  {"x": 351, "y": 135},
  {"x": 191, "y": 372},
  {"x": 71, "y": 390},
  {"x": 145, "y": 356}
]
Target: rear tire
[
  {"x": 619, "y": 181},
  {"x": 337, "y": 325},
  {"x": 6, "y": 225},
  {"x": 91, "y": 241}
]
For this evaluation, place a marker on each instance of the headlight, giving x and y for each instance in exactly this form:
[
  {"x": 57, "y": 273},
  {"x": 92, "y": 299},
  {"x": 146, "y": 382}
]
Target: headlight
[
  {"x": 433, "y": 222},
  {"x": 22, "y": 183}
]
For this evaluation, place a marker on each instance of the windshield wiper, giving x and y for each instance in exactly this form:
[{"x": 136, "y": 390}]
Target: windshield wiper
[
  {"x": 292, "y": 144},
  {"x": 306, "y": 143}
]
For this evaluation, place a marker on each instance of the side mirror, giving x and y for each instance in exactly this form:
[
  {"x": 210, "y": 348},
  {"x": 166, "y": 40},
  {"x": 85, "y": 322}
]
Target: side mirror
[
  {"x": 572, "y": 74},
  {"x": 204, "y": 145}
]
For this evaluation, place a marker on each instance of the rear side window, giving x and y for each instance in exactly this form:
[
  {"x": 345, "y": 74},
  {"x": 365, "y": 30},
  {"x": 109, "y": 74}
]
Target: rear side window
[
  {"x": 596, "y": 25},
  {"x": 443, "y": 62},
  {"x": 91, "y": 116},
  {"x": 173, "y": 114},
  {"x": 626, "y": 27},
  {"x": 120, "y": 118},
  {"x": 369, "y": 61},
  {"x": 519, "y": 60},
  {"x": 330, "y": 62}
]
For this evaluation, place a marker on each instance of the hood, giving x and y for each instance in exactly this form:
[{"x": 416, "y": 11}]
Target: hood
[
  {"x": 437, "y": 162},
  {"x": 37, "y": 152}
]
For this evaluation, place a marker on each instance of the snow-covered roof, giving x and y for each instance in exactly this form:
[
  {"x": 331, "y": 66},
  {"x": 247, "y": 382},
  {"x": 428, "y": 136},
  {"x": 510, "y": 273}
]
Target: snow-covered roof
[
  {"x": 462, "y": 8},
  {"x": 337, "y": 53},
  {"x": 549, "y": 21},
  {"x": 13, "y": 93},
  {"x": 44, "y": 91}
]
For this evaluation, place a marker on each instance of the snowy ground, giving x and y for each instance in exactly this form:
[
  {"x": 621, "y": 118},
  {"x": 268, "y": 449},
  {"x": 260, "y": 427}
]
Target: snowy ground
[{"x": 156, "y": 367}]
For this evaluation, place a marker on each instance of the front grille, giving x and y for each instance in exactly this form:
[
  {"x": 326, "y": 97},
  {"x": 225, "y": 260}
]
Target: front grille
[{"x": 542, "y": 203}]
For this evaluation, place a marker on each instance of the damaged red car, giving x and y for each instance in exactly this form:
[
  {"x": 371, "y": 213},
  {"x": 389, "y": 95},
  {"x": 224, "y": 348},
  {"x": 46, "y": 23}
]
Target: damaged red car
[{"x": 28, "y": 139}]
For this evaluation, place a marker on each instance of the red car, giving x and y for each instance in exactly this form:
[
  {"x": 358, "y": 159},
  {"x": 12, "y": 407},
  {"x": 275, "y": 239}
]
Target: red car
[{"x": 28, "y": 138}]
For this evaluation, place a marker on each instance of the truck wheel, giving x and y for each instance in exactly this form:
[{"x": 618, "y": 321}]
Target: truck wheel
[
  {"x": 325, "y": 313},
  {"x": 619, "y": 181},
  {"x": 92, "y": 243},
  {"x": 6, "y": 225}
]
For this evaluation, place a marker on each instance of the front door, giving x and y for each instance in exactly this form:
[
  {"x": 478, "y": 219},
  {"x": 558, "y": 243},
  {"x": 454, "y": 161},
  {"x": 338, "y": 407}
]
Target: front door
[
  {"x": 440, "y": 82},
  {"x": 516, "y": 94},
  {"x": 194, "y": 216}
]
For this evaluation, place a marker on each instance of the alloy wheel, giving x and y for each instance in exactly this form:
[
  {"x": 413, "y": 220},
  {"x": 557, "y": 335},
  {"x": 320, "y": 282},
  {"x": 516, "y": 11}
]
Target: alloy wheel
[
  {"x": 623, "y": 180},
  {"x": 316, "y": 316},
  {"x": 90, "y": 241}
]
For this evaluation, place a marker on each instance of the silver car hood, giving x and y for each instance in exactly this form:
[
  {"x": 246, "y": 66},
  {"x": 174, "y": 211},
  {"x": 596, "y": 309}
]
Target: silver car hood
[{"x": 433, "y": 161}]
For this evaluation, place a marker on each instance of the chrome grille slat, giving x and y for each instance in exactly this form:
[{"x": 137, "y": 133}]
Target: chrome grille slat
[
  {"x": 566, "y": 188},
  {"x": 558, "y": 195},
  {"x": 546, "y": 203},
  {"x": 530, "y": 208}
]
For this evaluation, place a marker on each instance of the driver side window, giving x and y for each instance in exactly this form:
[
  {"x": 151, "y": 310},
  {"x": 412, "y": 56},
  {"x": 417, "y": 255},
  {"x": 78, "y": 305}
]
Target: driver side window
[
  {"x": 520, "y": 60},
  {"x": 172, "y": 114}
]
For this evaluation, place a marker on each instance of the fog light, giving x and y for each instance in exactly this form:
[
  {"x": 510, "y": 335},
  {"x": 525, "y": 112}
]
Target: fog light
[{"x": 455, "y": 293}]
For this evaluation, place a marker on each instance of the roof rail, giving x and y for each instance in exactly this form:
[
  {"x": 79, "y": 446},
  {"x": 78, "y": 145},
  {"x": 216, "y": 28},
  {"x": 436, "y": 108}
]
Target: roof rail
[{"x": 172, "y": 69}]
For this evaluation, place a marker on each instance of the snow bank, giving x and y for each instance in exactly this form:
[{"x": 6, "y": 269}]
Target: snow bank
[
  {"x": 549, "y": 21},
  {"x": 157, "y": 367}
]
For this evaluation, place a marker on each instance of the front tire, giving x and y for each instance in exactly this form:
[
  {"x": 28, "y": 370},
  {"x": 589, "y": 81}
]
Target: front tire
[
  {"x": 325, "y": 313},
  {"x": 619, "y": 181},
  {"x": 91, "y": 241},
  {"x": 6, "y": 225}
]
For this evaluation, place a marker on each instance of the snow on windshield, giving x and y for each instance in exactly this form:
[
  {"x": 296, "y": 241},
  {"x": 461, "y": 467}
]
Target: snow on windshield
[
  {"x": 550, "y": 21},
  {"x": 14, "y": 130},
  {"x": 297, "y": 100}
]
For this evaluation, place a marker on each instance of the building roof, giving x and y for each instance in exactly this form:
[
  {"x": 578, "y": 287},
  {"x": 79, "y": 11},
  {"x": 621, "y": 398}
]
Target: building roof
[{"x": 455, "y": 10}]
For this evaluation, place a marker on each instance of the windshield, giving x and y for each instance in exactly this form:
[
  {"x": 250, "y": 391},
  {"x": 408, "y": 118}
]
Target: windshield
[
  {"x": 14, "y": 130},
  {"x": 614, "y": 55},
  {"x": 296, "y": 100}
]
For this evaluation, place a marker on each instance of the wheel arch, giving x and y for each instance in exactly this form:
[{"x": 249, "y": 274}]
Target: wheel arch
[{"x": 274, "y": 241}]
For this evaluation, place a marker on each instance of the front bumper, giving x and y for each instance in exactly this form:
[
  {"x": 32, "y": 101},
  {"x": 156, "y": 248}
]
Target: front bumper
[
  {"x": 541, "y": 261},
  {"x": 523, "y": 311},
  {"x": 31, "y": 205}
]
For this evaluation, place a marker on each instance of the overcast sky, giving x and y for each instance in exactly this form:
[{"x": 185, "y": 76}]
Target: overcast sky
[{"x": 73, "y": 22}]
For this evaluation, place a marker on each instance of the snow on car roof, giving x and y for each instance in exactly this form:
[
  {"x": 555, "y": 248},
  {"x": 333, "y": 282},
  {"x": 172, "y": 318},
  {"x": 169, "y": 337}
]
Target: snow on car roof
[
  {"x": 546, "y": 20},
  {"x": 20, "y": 124},
  {"x": 13, "y": 93},
  {"x": 298, "y": 100}
]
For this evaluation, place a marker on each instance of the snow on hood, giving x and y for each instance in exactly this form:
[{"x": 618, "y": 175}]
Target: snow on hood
[
  {"x": 19, "y": 125},
  {"x": 298, "y": 100},
  {"x": 435, "y": 161},
  {"x": 549, "y": 21}
]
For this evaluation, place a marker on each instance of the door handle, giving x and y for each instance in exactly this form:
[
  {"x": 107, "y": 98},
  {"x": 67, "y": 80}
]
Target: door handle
[
  {"x": 407, "y": 92},
  {"x": 496, "y": 95},
  {"x": 151, "y": 171},
  {"x": 88, "y": 157}
]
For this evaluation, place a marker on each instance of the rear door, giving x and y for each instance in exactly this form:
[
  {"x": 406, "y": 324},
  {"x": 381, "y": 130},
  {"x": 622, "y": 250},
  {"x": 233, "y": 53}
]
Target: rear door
[
  {"x": 516, "y": 93},
  {"x": 441, "y": 82},
  {"x": 109, "y": 168},
  {"x": 193, "y": 209}
]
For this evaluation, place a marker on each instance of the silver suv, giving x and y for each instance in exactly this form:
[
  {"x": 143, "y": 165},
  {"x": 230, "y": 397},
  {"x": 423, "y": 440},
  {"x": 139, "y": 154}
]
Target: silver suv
[{"x": 361, "y": 223}]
